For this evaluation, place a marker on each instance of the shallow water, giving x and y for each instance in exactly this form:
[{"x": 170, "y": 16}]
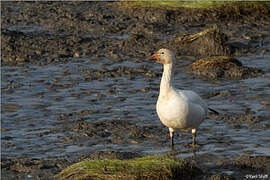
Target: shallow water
[{"x": 34, "y": 97}]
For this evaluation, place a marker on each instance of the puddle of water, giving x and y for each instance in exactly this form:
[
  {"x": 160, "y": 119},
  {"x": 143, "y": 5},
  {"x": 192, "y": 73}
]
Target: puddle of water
[
  {"x": 26, "y": 28},
  {"x": 228, "y": 172},
  {"x": 118, "y": 36},
  {"x": 13, "y": 7}
]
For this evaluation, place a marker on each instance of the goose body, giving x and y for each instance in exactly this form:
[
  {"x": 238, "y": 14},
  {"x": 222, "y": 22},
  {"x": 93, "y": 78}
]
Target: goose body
[
  {"x": 177, "y": 109},
  {"x": 181, "y": 109}
]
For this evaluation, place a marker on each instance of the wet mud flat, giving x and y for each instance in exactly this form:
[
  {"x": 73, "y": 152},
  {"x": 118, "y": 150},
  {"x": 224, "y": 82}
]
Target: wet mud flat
[{"x": 76, "y": 84}]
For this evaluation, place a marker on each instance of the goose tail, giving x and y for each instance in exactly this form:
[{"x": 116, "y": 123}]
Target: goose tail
[{"x": 214, "y": 111}]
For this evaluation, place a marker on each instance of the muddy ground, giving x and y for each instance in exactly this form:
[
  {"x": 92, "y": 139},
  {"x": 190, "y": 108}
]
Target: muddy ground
[{"x": 76, "y": 84}]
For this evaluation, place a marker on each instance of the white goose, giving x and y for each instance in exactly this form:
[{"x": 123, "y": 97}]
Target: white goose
[{"x": 177, "y": 109}]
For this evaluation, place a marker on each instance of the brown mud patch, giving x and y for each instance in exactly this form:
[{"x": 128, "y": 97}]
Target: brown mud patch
[
  {"x": 209, "y": 42},
  {"x": 31, "y": 168},
  {"x": 260, "y": 163},
  {"x": 129, "y": 72},
  {"x": 246, "y": 120},
  {"x": 222, "y": 67},
  {"x": 138, "y": 44},
  {"x": 100, "y": 155},
  {"x": 63, "y": 18},
  {"x": 116, "y": 131},
  {"x": 229, "y": 11},
  {"x": 240, "y": 167},
  {"x": 53, "y": 31},
  {"x": 18, "y": 47}
]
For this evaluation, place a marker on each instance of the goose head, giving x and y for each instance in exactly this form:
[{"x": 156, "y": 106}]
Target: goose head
[{"x": 163, "y": 56}]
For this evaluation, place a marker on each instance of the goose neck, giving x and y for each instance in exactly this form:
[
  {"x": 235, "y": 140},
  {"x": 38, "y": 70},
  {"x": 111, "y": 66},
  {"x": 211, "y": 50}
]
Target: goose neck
[{"x": 165, "y": 84}]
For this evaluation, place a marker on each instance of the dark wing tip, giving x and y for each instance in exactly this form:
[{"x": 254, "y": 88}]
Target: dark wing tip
[{"x": 214, "y": 111}]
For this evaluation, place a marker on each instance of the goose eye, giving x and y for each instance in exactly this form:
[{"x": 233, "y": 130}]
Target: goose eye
[{"x": 162, "y": 52}]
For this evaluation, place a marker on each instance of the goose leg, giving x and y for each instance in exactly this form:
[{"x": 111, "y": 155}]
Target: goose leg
[
  {"x": 194, "y": 137},
  {"x": 171, "y": 135}
]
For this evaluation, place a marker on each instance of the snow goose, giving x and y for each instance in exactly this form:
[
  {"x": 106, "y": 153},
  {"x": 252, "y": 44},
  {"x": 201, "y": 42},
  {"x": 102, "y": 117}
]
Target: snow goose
[{"x": 177, "y": 109}]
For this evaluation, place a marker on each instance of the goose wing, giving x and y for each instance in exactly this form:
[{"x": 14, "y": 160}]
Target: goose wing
[{"x": 194, "y": 98}]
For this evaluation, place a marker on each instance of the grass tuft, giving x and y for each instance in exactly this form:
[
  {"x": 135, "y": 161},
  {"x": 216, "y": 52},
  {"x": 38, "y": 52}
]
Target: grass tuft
[
  {"x": 148, "y": 167},
  {"x": 197, "y": 4},
  {"x": 186, "y": 4}
]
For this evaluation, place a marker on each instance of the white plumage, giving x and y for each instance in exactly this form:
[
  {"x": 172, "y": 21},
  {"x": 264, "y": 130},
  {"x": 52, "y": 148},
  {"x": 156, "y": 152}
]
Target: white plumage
[{"x": 177, "y": 109}]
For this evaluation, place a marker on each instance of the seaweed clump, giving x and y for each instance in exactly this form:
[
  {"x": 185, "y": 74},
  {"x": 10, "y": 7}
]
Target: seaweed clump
[
  {"x": 210, "y": 42},
  {"x": 222, "y": 67}
]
